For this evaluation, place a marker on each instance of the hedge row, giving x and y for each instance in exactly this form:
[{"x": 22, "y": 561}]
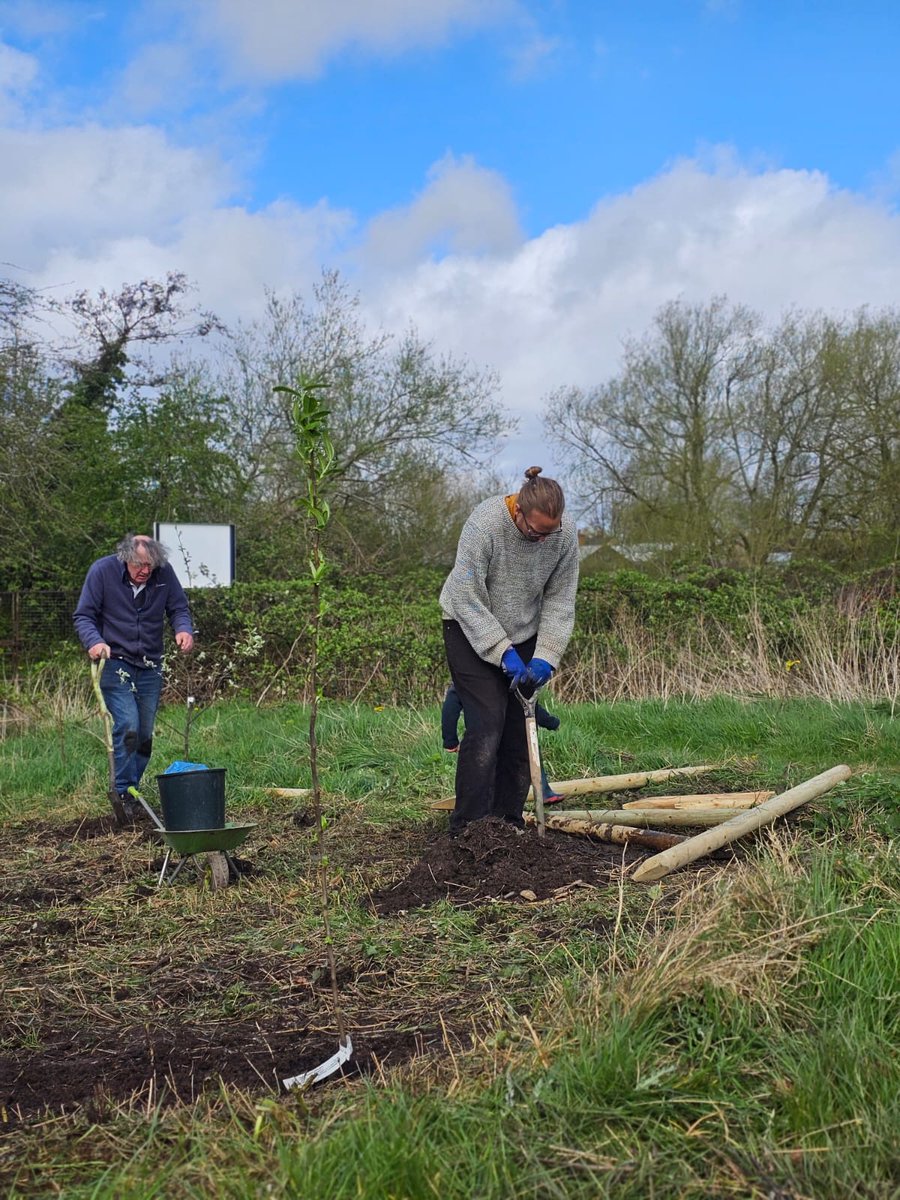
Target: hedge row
[{"x": 381, "y": 637}]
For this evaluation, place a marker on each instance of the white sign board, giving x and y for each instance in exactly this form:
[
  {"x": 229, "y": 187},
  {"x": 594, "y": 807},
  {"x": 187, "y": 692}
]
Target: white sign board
[{"x": 201, "y": 555}]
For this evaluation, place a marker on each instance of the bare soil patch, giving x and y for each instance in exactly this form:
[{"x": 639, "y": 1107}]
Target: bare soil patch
[
  {"x": 99, "y": 1071},
  {"x": 97, "y": 1015},
  {"x": 492, "y": 860}
]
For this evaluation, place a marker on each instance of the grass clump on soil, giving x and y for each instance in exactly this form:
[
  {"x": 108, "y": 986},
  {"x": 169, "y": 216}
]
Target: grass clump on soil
[{"x": 729, "y": 1031}]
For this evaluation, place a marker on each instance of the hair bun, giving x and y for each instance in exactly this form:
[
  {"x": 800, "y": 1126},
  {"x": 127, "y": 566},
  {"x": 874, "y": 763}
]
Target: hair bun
[{"x": 533, "y": 472}]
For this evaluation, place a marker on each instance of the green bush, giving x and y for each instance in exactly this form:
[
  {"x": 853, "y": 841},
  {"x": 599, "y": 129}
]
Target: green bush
[{"x": 381, "y": 637}]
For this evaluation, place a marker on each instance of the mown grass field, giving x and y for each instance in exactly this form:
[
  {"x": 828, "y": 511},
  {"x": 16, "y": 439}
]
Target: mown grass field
[{"x": 729, "y": 1031}]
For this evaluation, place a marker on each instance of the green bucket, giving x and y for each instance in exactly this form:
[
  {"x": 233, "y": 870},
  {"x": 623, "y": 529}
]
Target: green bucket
[{"x": 193, "y": 799}]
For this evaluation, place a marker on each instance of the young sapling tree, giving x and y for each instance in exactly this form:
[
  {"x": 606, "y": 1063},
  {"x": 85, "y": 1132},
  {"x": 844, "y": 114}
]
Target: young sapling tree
[{"x": 315, "y": 453}]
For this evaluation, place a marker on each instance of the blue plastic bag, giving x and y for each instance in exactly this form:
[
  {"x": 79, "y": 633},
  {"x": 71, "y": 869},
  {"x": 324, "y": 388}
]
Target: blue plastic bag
[{"x": 174, "y": 767}]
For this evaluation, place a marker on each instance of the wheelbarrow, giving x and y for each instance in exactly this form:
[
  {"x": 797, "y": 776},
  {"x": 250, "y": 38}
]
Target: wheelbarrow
[{"x": 219, "y": 867}]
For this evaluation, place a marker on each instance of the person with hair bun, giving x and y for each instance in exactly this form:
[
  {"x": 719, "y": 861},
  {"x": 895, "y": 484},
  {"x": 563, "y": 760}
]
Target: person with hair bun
[{"x": 508, "y": 611}]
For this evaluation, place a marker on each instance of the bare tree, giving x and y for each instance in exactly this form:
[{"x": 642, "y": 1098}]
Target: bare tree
[
  {"x": 403, "y": 418},
  {"x": 109, "y": 325},
  {"x": 865, "y": 496},
  {"x": 652, "y": 447}
]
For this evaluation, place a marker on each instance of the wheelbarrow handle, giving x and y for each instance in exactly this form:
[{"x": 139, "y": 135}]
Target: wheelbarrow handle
[{"x": 150, "y": 813}]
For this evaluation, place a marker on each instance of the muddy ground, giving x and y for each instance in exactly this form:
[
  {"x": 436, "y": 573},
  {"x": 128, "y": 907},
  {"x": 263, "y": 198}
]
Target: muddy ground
[
  {"x": 87, "y": 1028},
  {"x": 492, "y": 860}
]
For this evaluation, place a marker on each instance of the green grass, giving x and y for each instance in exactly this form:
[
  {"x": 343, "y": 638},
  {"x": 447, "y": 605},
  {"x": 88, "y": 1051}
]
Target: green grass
[
  {"x": 391, "y": 758},
  {"x": 728, "y": 1032}
]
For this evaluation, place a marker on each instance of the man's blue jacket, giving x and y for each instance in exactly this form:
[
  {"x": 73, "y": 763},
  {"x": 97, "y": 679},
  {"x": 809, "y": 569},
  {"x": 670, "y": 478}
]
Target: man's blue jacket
[{"x": 131, "y": 626}]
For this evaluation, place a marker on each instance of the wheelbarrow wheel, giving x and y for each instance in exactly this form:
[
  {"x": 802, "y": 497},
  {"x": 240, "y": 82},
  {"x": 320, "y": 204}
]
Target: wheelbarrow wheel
[{"x": 216, "y": 876}]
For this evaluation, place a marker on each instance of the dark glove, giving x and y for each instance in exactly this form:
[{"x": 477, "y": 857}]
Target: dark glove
[
  {"x": 513, "y": 667},
  {"x": 546, "y": 720},
  {"x": 539, "y": 672}
]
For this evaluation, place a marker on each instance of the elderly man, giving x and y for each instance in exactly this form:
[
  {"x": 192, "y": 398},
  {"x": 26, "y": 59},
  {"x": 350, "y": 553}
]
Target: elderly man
[{"x": 119, "y": 618}]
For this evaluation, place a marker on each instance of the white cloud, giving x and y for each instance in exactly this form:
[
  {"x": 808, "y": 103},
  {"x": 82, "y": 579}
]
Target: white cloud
[
  {"x": 76, "y": 189},
  {"x": 464, "y": 209},
  {"x": 162, "y": 76},
  {"x": 18, "y": 71},
  {"x": 234, "y": 255},
  {"x": 555, "y": 310},
  {"x": 279, "y": 39},
  {"x": 92, "y": 207},
  {"x": 534, "y": 56},
  {"x": 229, "y": 254}
]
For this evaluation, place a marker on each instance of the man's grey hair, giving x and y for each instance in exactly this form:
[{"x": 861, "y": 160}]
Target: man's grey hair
[{"x": 127, "y": 549}]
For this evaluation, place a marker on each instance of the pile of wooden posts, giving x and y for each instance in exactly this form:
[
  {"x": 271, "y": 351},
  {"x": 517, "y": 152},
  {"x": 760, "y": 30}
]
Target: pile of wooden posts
[{"x": 724, "y": 816}]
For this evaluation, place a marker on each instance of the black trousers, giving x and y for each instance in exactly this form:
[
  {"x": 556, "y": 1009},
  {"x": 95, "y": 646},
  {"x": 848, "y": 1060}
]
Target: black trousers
[{"x": 492, "y": 770}]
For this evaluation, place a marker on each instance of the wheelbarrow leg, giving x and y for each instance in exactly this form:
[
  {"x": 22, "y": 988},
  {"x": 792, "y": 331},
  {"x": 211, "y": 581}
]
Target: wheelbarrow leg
[
  {"x": 175, "y": 873},
  {"x": 177, "y": 870},
  {"x": 165, "y": 866}
]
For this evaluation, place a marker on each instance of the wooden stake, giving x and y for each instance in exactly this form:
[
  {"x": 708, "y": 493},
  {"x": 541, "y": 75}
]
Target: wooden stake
[
  {"x": 702, "y": 800},
  {"x": 643, "y": 817},
  {"x": 745, "y": 822},
  {"x": 286, "y": 793},
  {"x": 619, "y": 834},
  {"x": 622, "y": 783},
  {"x": 598, "y": 785}
]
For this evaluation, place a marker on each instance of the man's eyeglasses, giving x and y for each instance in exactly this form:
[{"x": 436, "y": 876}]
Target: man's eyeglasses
[
  {"x": 141, "y": 566},
  {"x": 537, "y": 535}
]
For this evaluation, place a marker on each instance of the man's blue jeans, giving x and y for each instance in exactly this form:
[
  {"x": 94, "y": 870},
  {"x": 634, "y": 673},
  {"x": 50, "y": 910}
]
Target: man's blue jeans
[{"x": 132, "y": 697}]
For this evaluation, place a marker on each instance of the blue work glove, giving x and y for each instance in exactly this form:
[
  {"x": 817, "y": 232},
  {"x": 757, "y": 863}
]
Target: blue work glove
[
  {"x": 515, "y": 670},
  {"x": 539, "y": 672}
]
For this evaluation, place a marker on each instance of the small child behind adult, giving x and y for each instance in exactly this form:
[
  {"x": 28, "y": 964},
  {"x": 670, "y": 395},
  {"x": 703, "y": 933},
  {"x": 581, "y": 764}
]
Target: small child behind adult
[{"x": 451, "y": 710}]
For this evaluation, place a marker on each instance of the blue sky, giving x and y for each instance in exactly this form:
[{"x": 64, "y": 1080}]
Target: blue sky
[{"x": 526, "y": 180}]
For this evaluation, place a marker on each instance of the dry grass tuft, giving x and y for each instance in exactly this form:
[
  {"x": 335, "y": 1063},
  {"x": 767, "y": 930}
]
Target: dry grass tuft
[
  {"x": 737, "y": 930},
  {"x": 836, "y": 657}
]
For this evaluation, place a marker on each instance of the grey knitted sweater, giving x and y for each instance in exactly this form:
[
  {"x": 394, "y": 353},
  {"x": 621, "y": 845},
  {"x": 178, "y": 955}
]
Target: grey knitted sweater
[{"x": 503, "y": 588}]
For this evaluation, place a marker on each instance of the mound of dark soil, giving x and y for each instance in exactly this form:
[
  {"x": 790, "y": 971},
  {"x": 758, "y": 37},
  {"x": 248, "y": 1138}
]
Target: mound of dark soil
[{"x": 491, "y": 859}]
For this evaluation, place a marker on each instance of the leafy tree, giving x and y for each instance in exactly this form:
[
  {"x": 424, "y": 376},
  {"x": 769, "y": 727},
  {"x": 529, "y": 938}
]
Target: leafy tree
[
  {"x": 864, "y": 496},
  {"x": 33, "y": 454},
  {"x": 110, "y": 325},
  {"x": 82, "y": 423},
  {"x": 174, "y": 449},
  {"x": 781, "y": 423},
  {"x": 723, "y": 441},
  {"x": 315, "y": 453}
]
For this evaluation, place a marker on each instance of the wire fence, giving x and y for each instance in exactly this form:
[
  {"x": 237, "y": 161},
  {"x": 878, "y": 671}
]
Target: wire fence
[{"x": 34, "y": 623}]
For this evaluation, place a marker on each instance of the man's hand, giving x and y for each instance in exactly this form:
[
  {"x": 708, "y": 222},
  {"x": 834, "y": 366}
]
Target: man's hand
[
  {"x": 184, "y": 642},
  {"x": 98, "y": 650},
  {"x": 515, "y": 670},
  {"x": 539, "y": 672}
]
